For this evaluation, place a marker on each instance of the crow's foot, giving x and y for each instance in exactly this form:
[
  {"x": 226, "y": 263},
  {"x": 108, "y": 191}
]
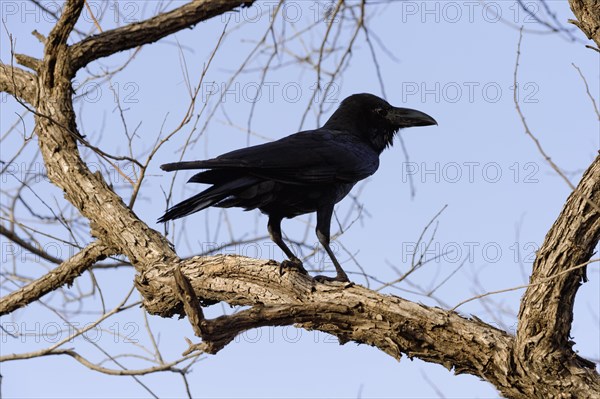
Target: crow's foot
[{"x": 294, "y": 263}]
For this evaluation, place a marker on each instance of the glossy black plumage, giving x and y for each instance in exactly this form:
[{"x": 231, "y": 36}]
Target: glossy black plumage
[{"x": 301, "y": 173}]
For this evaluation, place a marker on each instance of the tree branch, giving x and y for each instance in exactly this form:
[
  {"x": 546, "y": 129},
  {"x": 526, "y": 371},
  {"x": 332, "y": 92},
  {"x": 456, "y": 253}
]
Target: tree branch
[
  {"x": 56, "y": 43},
  {"x": 18, "y": 83},
  {"x": 391, "y": 324},
  {"x": 546, "y": 311},
  {"x": 28, "y": 246},
  {"x": 150, "y": 30},
  {"x": 65, "y": 273},
  {"x": 588, "y": 17}
]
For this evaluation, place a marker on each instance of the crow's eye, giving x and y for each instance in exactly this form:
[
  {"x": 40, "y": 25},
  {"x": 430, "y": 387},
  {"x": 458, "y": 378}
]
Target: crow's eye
[{"x": 380, "y": 111}]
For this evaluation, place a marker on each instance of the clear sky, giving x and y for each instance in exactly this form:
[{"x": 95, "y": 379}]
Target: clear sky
[{"x": 452, "y": 60}]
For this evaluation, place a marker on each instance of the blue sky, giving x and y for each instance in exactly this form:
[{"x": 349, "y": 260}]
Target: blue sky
[{"x": 452, "y": 60}]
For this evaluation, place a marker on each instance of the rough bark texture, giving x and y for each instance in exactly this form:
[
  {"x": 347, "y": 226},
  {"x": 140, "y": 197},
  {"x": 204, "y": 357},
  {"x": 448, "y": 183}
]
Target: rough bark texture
[
  {"x": 587, "y": 12},
  {"x": 546, "y": 313},
  {"x": 538, "y": 362},
  {"x": 355, "y": 313},
  {"x": 18, "y": 83}
]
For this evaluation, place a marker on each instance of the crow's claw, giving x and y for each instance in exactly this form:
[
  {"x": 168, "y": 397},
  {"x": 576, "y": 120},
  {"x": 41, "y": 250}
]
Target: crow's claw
[{"x": 338, "y": 278}]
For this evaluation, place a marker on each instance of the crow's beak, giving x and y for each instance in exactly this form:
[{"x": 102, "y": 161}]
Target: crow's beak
[{"x": 406, "y": 117}]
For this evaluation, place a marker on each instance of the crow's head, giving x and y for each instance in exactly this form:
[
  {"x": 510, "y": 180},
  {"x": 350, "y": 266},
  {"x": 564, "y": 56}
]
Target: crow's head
[{"x": 374, "y": 119}]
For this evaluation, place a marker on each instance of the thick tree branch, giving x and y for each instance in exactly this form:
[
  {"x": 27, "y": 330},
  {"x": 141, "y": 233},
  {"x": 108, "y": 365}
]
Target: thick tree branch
[
  {"x": 392, "y": 324},
  {"x": 64, "y": 26},
  {"x": 55, "y": 49},
  {"x": 546, "y": 310},
  {"x": 18, "y": 83},
  {"x": 588, "y": 18},
  {"x": 109, "y": 217},
  {"x": 389, "y": 323},
  {"x": 65, "y": 273},
  {"x": 150, "y": 30}
]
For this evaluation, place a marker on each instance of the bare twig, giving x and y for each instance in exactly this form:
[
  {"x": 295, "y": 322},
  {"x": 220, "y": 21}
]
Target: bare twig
[
  {"x": 520, "y": 287},
  {"x": 530, "y": 134}
]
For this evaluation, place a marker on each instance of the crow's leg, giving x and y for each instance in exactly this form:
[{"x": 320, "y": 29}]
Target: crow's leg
[
  {"x": 323, "y": 226},
  {"x": 274, "y": 226}
]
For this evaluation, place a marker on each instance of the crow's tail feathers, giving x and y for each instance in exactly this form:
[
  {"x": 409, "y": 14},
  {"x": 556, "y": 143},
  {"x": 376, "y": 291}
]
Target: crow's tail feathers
[
  {"x": 206, "y": 198},
  {"x": 207, "y": 164},
  {"x": 191, "y": 205},
  {"x": 169, "y": 167}
]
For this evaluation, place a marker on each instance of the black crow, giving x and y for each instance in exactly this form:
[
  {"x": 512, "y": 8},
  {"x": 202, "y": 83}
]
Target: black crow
[{"x": 305, "y": 172}]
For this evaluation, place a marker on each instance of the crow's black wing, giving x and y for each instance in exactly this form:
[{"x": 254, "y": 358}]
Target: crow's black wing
[{"x": 313, "y": 157}]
